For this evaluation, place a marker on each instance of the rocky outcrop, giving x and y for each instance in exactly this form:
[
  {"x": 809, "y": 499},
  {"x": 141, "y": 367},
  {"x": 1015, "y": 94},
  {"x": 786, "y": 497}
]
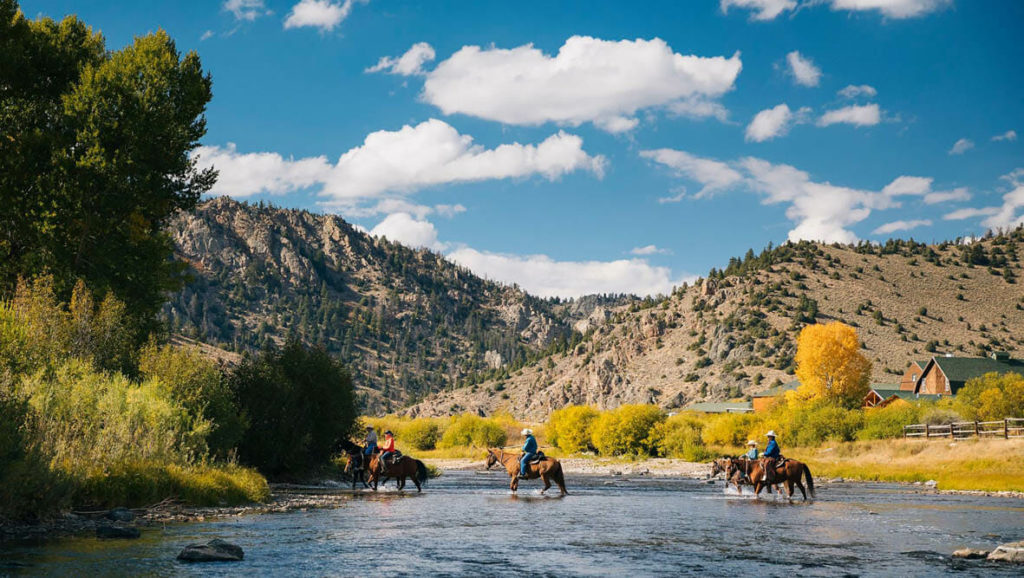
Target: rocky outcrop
[
  {"x": 1012, "y": 552},
  {"x": 970, "y": 553},
  {"x": 215, "y": 550}
]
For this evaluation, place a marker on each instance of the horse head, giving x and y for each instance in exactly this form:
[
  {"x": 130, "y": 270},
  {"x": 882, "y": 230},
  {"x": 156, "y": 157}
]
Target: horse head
[
  {"x": 491, "y": 459},
  {"x": 721, "y": 465}
]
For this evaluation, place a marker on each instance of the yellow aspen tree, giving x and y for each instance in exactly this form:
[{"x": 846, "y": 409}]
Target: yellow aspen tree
[{"x": 830, "y": 365}]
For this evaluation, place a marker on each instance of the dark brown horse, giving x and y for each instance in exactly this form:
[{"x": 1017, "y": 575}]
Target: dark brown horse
[
  {"x": 355, "y": 464},
  {"x": 405, "y": 467},
  {"x": 548, "y": 469},
  {"x": 788, "y": 472}
]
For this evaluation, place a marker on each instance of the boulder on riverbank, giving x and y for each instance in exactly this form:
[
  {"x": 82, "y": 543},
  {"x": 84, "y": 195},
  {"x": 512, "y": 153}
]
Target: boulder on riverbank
[
  {"x": 120, "y": 515},
  {"x": 1012, "y": 552},
  {"x": 108, "y": 532},
  {"x": 215, "y": 550},
  {"x": 970, "y": 553}
]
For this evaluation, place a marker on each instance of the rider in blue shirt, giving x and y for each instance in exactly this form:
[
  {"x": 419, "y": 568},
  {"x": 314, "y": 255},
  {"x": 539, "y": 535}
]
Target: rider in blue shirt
[
  {"x": 529, "y": 451},
  {"x": 771, "y": 455},
  {"x": 772, "y": 451}
]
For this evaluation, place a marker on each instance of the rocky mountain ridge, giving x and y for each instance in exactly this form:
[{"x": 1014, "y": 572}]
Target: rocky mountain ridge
[
  {"x": 734, "y": 333},
  {"x": 407, "y": 322}
]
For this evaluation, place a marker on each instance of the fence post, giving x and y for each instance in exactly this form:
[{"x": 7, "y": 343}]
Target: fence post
[
  {"x": 1006, "y": 428},
  {"x": 904, "y": 432},
  {"x": 927, "y": 431},
  {"x": 976, "y": 430}
]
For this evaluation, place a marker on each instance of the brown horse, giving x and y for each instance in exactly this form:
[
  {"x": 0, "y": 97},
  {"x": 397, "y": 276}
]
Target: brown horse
[
  {"x": 355, "y": 465},
  {"x": 405, "y": 467},
  {"x": 547, "y": 469},
  {"x": 788, "y": 472},
  {"x": 737, "y": 471}
]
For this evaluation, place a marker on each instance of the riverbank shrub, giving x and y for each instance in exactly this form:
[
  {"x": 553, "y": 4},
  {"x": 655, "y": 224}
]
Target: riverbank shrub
[
  {"x": 627, "y": 430},
  {"x": 887, "y": 422},
  {"x": 469, "y": 430},
  {"x": 991, "y": 397},
  {"x": 680, "y": 436},
  {"x": 421, "y": 434},
  {"x": 571, "y": 428},
  {"x": 75, "y": 430}
]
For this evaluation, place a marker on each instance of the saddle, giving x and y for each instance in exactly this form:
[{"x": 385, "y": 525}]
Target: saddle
[{"x": 540, "y": 457}]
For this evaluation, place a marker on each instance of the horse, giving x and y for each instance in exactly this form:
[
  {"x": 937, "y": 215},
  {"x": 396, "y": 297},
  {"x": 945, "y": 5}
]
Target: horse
[
  {"x": 355, "y": 465},
  {"x": 788, "y": 472},
  {"x": 405, "y": 467},
  {"x": 547, "y": 469},
  {"x": 737, "y": 471}
]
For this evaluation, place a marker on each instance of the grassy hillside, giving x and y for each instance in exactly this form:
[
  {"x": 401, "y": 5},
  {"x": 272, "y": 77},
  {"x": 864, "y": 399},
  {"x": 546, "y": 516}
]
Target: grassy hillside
[{"x": 733, "y": 333}]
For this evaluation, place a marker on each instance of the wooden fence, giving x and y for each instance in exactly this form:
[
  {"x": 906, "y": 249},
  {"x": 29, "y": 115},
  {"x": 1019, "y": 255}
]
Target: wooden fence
[{"x": 1009, "y": 428}]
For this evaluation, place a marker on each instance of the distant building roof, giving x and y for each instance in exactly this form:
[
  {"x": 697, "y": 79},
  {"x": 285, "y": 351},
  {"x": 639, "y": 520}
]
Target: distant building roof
[
  {"x": 958, "y": 370},
  {"x": 779, "y": 389},
  {"x": 721, "y": 407},
  {"x": 886, "y": 390}
]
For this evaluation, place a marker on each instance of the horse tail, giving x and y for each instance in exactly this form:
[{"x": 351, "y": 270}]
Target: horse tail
[
  {"x": 421, "y": 472},
  {"x": 810, "y": 480}
]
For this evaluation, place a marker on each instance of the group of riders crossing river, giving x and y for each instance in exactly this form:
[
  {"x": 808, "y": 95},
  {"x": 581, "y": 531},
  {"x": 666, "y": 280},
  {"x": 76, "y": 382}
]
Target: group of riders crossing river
[{"x": 378, "y": 461}]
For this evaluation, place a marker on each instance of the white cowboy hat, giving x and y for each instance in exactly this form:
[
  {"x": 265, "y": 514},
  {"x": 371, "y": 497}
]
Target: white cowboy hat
[
  {"x": 751, "y": 443},
  {"x": 527, "y": 432},
  {"x": 770, "y": 434}
]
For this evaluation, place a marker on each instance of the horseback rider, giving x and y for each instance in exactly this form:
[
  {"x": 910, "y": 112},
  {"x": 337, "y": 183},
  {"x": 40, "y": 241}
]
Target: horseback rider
[
  {"x": 529, "y": 452},
  {"x": 370, "y": 440},
  {"x": 772, "y": 456},
  {"x": 387, "y": 450},
  {"x": 752, "y": 454}
]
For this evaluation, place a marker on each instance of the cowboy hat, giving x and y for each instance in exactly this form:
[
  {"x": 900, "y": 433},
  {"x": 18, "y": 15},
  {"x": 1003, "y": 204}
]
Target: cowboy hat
[
  {"x": 369, "y": 427},
  {"x": 770, "y": 434},
  {"x": 527, "y": 432},
  {"x": 388, "y": 433},
  {"x": 751, "y": 443}
]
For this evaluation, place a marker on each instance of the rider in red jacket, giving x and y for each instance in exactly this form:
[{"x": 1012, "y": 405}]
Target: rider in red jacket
[{"x": 387, "y": 449}]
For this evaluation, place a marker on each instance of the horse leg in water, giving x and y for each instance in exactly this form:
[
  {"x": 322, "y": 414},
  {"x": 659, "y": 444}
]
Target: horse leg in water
[
  {"x": 515, "y": 483},
  {"x": 547, "y": 482},
  {"x": 789, "y": 490},
  {"x": 801, "y": 486},
  {"x": 401, "y": 483}
]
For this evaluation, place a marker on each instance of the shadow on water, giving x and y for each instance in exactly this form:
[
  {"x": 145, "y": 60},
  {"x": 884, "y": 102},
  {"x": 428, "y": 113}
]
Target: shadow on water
[{"x": 464, "y": 523}]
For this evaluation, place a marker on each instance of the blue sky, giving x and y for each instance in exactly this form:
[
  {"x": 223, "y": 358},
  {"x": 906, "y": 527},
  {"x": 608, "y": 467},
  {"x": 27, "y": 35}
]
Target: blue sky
[{"x": 577, "y": 147}]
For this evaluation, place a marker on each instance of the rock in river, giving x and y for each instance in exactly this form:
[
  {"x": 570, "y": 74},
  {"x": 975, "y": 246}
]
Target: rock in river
[
  {"x": 215, "y": 550},
  {"x": 117, "y": 532},
  {"x": 1012, "y": 552},
  {"x": 970, "y": 553},
  {"x": 120, "y": 515}
]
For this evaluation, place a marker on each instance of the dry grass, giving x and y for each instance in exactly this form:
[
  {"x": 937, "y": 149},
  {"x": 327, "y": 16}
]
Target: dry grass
[{"x": 986, "y": 465}]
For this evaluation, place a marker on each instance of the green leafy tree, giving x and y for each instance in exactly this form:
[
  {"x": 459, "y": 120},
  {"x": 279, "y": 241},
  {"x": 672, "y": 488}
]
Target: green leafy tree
[
  {"x": 95, "y": 157},
  {"x": 299, "y": 404}
]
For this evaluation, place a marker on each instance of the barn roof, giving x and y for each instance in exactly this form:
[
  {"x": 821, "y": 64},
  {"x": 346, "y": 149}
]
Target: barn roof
[
  {"x": 961, "y": 369},
  {"x": 779, "y": 389},
  {"x": 722, "y": 407}
]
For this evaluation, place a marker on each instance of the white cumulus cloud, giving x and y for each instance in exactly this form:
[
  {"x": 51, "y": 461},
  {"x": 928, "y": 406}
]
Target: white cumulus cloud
[
  {"x": 409, "y": 64},
  {"x": 589, "y": 80},
  {"x": 323, "y": 14},
  {"x": 854, "y": 91},
  {"x": 713, "y": 175},
  {"x": 892, "y": 8},
  {"x": 246, "y": 9},
  {"x": 546, "y": 277},
  {"x": 922, "y": 187},
  {"x": 901, "y": 226},
  {"x": 1010, "y": 135},
  {"x": 760, "y": 9},
  {"x": 246, "y": 174},
  {"x": 961, "y": 146},
  {"x": 821, "y": 211},
  {"x": 396, "y": 163},
  {"x": 773, "y": 122},
  {"x": 866, "y": 115},
  {"x": 408, "y": 230},
  {"x": 649, "y": 250},
  {"x": 804, "y": 72}
]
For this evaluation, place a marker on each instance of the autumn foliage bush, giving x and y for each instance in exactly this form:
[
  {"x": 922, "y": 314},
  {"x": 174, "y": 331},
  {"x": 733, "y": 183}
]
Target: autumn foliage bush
[
  {"x": 571, "y": 428},
  {"x": 627, "y": 430}
]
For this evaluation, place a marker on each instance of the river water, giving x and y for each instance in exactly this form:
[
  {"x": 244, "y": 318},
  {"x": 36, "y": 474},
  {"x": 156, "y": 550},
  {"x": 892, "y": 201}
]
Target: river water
[{"x": 468, "y": 523}]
